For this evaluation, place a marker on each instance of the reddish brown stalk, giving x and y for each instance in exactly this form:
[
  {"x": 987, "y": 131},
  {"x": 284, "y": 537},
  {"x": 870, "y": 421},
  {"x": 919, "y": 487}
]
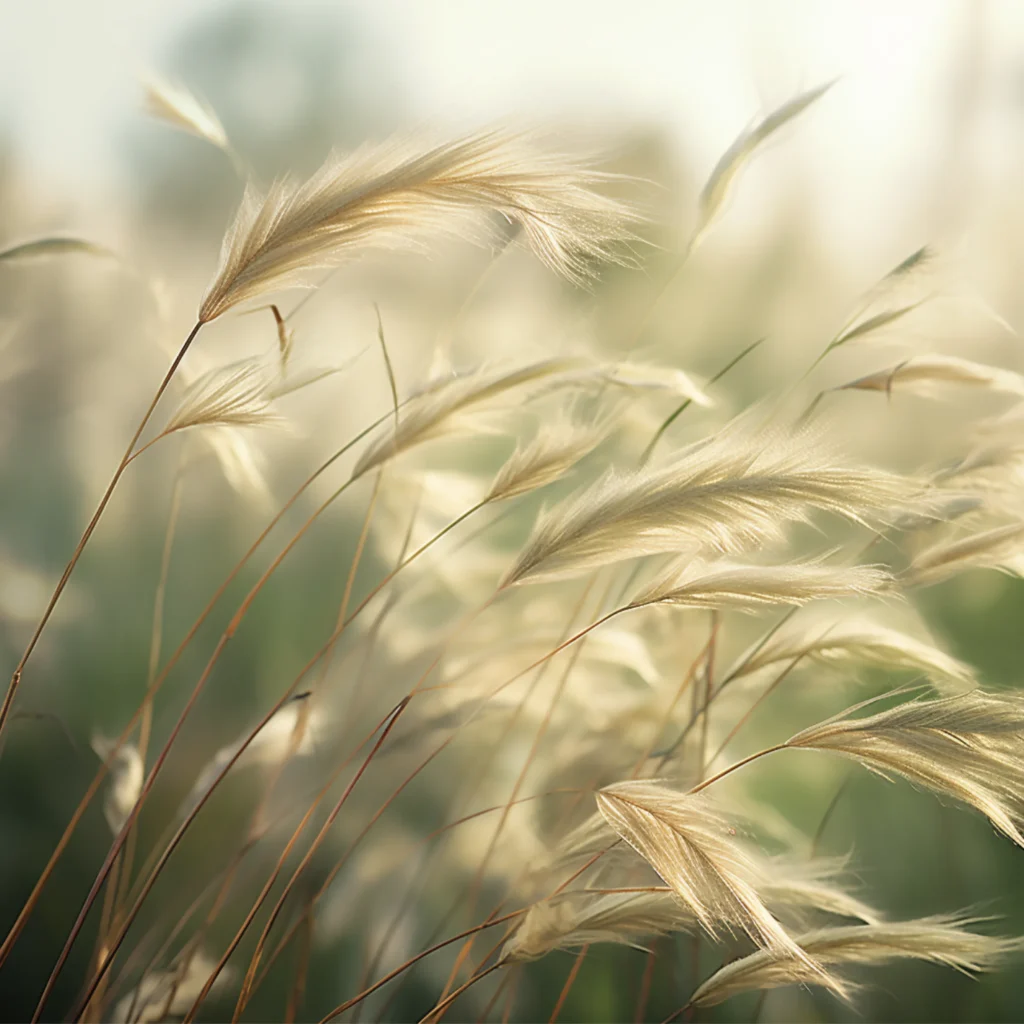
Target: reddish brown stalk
[
  {"x": 569, "y": 982},
  {"x": 493, "y": 920},
  {"x": 147, "y": 787},
  {"x": 348, "y": 1004},
  {"x": 180, "y": 924},
  {"x": 474, "y": 888},
  {"x": 699, "y": 711},
  {"x": 567, "y": 882},
  {"x": 298, "y": 989},
  {"x": 709, "y": 689},
  {"x": 30, "y": 903},
  {"x": 155, "y": 642},
  {"x": 12, "y": 687},
  {"x": 419, "y": 877},
  {"x": 493, "y": 1001},
  {"x": 294, "y": 741},
  {"x": 176, "y": 839},
  {"x": 645, "y": 984},
  {"x": 745, "y": 717},
  {"x": 430, "y": 668},
  {"x": 393, "y": 717},
  {"x": 350, "y": 578},
  {"x": 739, "y": 764},
  {"x": 688, "y": 678},
  {"x": 439, "y": 1011},
  {"x": 515, "y": 973}
]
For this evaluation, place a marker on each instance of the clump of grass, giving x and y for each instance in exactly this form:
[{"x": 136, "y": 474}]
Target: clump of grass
[{"x": 554, "y": 777}]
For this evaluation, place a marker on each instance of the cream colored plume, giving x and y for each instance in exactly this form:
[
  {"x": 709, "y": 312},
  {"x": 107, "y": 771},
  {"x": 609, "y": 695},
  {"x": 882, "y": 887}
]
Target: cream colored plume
[
  {"x": 738, "y": 155},
  {"x": 442, "y": 408},
  {"x": 239, "y": 395},
  {"x": 969, "y": 746},
  {"x": 737, "y": 489},
  {"x": 556, "y": 449},
  {"x": 652, "y": 377},
  {"x": 941, "y": 939},
  {"x": 692, "y": 847},
  {"x": 175, "y": 105},
  {"x": 580, "y": 918},
  {"x": 999, "y": 548},
  {"x": 844, "y": 640},
  {"x": 695, "y": 584},
  {"x": 928, "y": 374},
  {"x": 387, "y": 195}
]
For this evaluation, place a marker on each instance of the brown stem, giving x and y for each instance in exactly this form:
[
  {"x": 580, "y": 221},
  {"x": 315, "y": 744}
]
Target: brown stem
[
  {"x": 77, "y": 553},
  {"x": 569, "y": 982},
  {"x": 97, "y": 781},
  {"x": 348, "y": 1004}
]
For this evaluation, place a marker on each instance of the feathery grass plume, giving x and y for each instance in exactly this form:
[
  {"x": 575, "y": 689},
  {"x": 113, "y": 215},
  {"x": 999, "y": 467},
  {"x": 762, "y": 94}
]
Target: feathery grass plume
[
  {"x": 925, "y": 375},
  {"x": 858, "y": 640},
  {"x": 941, "y": 939},
  {"x": 237, "y": 395},
  {"x": 442, "y": 407},
  {"x": 651, "y": 377},
  {"x": 736, "y": 489},
  {"x": 873, "y": 325},
  {"x": 999, "y": 548},
  {"x": 810, "y": 886},
  {"x": 175, "y": 105},
  {"x": 969, "y": 746},
  {"x": 580, "y": 918},
  {"x": 892, "y": 293},
  {"x": 389, "y": 194},
  {"x": 736, "y": 157},
  {"x": 692, "y": 847},
  {"x": 556, "y": 449},
  {"x": 240, "y": 461},
  {"x": 697, "y": 584},
  {"x": 41, "y": 248},
  {"x": 126, "y": 771},
  {"x": 240, "y": 394}
]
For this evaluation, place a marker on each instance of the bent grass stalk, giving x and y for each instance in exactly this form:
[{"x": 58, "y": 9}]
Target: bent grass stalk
[
  {"x": 19, "y": 669},
  {"x": 151, "y": 691}
]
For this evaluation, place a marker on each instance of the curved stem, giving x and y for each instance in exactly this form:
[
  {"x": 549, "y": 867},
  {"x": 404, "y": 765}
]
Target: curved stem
[
  {"x": 739, "y": 764},
  {"x": 15, "y": 682}
]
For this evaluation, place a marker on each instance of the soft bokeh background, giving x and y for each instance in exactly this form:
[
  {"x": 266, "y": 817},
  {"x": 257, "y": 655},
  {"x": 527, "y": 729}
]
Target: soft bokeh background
[{"x": 920, "y": 141}]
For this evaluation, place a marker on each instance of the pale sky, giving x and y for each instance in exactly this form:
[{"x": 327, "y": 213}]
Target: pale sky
[{"x": 69, "y": 72}]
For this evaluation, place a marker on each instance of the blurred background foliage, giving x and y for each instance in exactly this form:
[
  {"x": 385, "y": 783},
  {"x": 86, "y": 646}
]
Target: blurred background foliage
[{"x": 82, "y": 352}]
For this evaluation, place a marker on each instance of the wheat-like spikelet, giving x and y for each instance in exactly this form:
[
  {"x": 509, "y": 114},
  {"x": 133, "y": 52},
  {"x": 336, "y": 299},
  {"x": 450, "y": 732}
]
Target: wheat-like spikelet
[
  {"x": 998, "y": 548},
  {"x": 545, "y": 459},
  {"x": 844, "y": 640},
  {"x": 737, "y": 156},
  {"x": 652, "y": 377},
  {"x": 443, "y": 407},
  {"x": 692, "y": 847},
  {"x": 732, "y": 491},
  {"x": 239, "y": 395},
  {"x": 969, "y": 746},
  {"x": 697, "y": 584},
  {"x": 177, "y": 106},
  {"x": 387, "y": 195},
  {"x": 580, "y": 918},
  {"x": 940, "y": 939},
  {"x": 927, "y": 374}
]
